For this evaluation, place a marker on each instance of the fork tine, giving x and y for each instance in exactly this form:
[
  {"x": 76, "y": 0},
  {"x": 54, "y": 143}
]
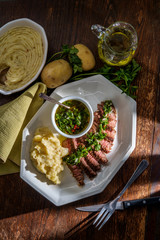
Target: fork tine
[
  {"x": 103, "y": 216},
  {"x": 106, "y": 219},
  {"x": 99, "y": 215}
]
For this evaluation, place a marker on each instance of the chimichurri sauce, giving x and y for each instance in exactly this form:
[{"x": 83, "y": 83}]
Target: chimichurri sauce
[{"x": 74, "y": 120}]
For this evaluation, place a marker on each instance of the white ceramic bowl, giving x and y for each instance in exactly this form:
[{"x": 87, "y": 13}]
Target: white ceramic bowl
[
  {"x": 28, "y": 23},
  {"x": 90, "y": 112}
]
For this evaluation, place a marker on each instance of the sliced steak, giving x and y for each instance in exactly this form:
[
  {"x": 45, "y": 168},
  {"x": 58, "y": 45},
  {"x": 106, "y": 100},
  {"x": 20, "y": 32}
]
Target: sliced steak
[
  {"x": 97, "y": 117},
  {"x": 81, "y": 139},
  {"x": 109, "y": 139},
  {"x": 76, "y": 170},
  {"x": 93, "y": 128},
  {"x": 77, "y": 173},
  {"x": 74, "y": 143},
  {"x": 112, "y": 115},
  {"x": 111, "y": 132},
  {"x": 96, "y": 126},
  {"x": 101, "y": 157},
  {"x": 88, "y": 170},
  {"x": 106, "y": 146},
  {"x": 100, "y": 108},
  {"x": 92, "y": 162},
  {"x": 112, "y": 123},
  {"x": 67, "y": 144}
]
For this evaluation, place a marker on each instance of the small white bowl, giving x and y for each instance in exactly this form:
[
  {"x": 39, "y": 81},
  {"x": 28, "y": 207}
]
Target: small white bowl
[
  {"x": 86, "y": 103},
  {"x": 27, "y": 23}
]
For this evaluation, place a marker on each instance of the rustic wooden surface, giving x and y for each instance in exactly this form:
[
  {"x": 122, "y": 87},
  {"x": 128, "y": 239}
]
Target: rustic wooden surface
[{"x": 24, "y": 213}]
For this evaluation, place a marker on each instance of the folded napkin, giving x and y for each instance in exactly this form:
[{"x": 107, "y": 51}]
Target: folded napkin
[{"x": 14, "y": 116}]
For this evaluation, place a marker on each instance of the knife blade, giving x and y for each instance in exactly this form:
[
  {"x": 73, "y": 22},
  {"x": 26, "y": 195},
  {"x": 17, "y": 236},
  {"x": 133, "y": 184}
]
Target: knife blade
[{"x": 121, "y": 205}]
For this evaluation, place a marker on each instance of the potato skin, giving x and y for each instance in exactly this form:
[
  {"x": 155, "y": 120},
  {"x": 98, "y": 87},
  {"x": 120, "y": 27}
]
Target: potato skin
[
  {"x": 56, "y": 73},
  {"x": 86, "y": 56}
]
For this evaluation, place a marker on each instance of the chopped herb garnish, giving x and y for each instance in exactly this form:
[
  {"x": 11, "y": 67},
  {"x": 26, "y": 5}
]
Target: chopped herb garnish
[{"x": 72, "y": 121}]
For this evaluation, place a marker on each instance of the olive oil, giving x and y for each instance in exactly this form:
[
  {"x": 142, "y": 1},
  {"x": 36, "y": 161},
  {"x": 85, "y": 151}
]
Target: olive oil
[{"x": 118, "y": 43}]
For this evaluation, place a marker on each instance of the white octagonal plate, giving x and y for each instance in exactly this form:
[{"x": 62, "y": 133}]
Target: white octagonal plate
[{"x": 94, "y": 89}]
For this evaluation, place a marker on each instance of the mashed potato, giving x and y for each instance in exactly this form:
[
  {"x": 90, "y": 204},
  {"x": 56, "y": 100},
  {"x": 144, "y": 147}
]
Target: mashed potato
[
  {"x": 21, "y": 51},
  {"x": 46, "y": 154}
]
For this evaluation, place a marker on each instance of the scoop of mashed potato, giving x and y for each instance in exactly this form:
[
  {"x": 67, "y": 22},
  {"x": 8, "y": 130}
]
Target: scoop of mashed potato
[
  {"x": 46, "y": 154},
  {"x": 21, "y": 51}
]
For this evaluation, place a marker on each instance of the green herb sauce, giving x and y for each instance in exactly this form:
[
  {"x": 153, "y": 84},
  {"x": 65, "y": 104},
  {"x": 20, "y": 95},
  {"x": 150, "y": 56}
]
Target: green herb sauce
[
  {"x": 92, "y": 139},
  {"x": 74, "y": 120}
]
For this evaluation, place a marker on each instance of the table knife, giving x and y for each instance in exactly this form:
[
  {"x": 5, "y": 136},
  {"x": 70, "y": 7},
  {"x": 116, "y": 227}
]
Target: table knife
[{"x": 121, "y": 205}]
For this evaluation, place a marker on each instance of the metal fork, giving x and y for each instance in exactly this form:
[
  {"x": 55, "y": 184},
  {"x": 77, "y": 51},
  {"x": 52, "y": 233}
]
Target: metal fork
[{"x": 109, "y": 208}]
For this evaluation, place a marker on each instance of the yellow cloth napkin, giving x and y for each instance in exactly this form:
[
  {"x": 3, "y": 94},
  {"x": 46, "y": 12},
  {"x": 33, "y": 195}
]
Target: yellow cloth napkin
[{"x": 14, "y": 116}]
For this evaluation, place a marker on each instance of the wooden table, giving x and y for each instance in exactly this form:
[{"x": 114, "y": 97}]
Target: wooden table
[{"x": 24, "y": 213}]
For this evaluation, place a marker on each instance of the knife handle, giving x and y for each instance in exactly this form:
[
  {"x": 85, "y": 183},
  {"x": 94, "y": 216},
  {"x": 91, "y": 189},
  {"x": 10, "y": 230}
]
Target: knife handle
[{"x": 141, "y": 202}]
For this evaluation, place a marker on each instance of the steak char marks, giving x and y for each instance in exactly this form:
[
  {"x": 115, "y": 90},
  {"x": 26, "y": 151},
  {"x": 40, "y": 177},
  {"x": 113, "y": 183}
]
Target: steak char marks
[
  {"x": 91, "y": 164},
  {"x": 86, "y": 164}
]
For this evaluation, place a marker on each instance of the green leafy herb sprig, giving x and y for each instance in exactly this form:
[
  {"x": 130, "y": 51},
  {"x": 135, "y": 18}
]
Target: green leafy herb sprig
[
  {"x": 70, "y": 53},
  {"x": 121, "y": 76}
]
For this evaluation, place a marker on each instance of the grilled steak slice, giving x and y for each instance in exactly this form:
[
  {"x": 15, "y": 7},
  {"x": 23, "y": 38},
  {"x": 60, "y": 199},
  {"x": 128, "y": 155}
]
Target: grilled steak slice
[
  {"x": 100, "y": 108},
  {"x": 112, "y": 123},
  {"x": 112, "y": 115},
  {"x": 89, "y": 163},
  {"x": 67, "y": 144},
  {"x": 106, "y": 146},
  {"x": 75, "y": 169},
  {"x": 93, "y": 128},
  {"x": 88, "y": 170},
  {"x": 77, "y": 173},
  {"x": 81, "y": 139},
  {"x": 92, "y": 162},
  {"x": 97, "y": 116},
  {"x": 74, "y": 143},
  {"x": 111, "y": 132},
  {"x": 101, "y": 157},
  {"x": 109, "y": 139}
]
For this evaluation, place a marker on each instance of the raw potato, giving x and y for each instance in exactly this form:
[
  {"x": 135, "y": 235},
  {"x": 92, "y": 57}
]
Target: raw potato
[
  {"x": 56, "y": 73},
  {"x": 86, "y": 56}
]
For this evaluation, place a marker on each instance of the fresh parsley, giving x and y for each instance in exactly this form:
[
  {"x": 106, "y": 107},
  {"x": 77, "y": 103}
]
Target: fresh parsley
[
  {"x": 122, "y": 77},
  {"x": 69, "y": 53}
]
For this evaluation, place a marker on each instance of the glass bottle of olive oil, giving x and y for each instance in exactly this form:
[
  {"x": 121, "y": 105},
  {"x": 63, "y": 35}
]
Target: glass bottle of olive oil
[{"x": 117, "y": 43}]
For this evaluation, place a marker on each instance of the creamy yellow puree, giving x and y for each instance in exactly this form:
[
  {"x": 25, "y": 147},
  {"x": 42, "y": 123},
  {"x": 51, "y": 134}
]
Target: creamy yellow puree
[
  {"x": 21, "y": 51},
  {"x": 46, "y": 154}
]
